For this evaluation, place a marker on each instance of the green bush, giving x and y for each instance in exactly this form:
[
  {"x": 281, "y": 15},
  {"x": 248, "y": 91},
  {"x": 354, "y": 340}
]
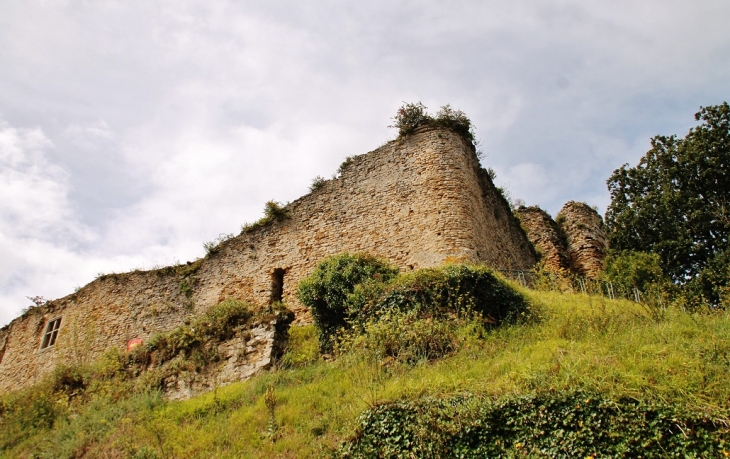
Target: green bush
[
  {"x": 220, "y": 323},
  {"x": 69, "y": 379},
  {"x": 629, "y": 271},
  {"x": 214, "y": 246},
  {"x": 350, "y": 290},
  {"x": 409, "y": 117},
  {"x": 345, "y": 164},
  {"x": 329, "y": 290},
  {"x": 550, "y": 425},
  {"x": 273, "y": 212},
  {"x": 453, "y": 289},
  {"x": 317, "y": 183},
  {"x": 29, "y": 411}
]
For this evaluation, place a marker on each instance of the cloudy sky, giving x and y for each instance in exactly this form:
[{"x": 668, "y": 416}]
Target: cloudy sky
[{"x": 133, "y": 131}]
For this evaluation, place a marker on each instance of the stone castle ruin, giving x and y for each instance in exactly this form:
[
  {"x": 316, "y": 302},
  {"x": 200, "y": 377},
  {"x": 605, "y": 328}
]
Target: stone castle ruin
[
  {"x": 418, "y": 201},
  {"x": 573, "y": 243}
]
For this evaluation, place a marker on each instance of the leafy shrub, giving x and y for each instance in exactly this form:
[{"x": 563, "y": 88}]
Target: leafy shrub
[
  {"x": 68, "y": 378},
  {"x": 33, "y": 409},
  {"x": 345, "y": 164},
  {"x": 453, "y": 289},
  {"x": 346, "y": 290},
  {"x": 409, "y": 117},
  {"x": 317, "y": 183},
  {"x": 273, "y": 212},
  {"x": 215, "y": 245},
  {"x": 220, "y": 323},
  {"x": 328, "y": 289},
  {"x": 629, "y": 270},
  {"x": 554, "y": 425},
  {"x": 456, "y": 120}
]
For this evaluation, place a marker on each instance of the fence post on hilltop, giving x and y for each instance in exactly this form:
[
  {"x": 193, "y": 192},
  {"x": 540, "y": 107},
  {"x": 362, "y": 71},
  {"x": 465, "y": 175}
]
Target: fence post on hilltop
[{"x": 609, "y": 290}]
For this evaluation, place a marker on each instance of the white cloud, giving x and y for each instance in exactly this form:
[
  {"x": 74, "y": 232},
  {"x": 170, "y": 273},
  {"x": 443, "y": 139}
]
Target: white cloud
[{"x": 32, "y": 190}]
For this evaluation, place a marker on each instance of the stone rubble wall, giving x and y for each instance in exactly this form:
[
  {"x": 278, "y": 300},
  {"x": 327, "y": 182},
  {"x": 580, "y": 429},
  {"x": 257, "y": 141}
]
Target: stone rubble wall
[
  {"x": 241, "y": 357},
  {"x": 416, "y": 201},
  {"x": 545, "y": 235},
  {"x": 586, "y": 236}
]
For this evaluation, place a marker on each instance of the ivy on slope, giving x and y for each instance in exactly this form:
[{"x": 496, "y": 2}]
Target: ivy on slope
[{"x": 552, "y": 425}]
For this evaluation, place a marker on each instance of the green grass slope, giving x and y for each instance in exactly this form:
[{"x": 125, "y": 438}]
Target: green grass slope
[{"x": 609, "y": 365}]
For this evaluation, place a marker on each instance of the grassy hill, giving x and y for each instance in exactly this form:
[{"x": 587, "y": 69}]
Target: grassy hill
[{"x": 582, "y": 374}]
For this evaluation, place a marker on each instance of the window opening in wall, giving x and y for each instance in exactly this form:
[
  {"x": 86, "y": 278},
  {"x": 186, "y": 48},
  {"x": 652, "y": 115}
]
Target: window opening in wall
[
  {"x": 277, "y": 285},
  {"x": 51, "y": 333}
]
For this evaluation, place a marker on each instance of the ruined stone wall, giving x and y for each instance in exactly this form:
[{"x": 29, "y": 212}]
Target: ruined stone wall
[
  {"x": 586, "y": 237},
  {"x": 545, "y": 235},
  {"x": 416, "y": 201}
]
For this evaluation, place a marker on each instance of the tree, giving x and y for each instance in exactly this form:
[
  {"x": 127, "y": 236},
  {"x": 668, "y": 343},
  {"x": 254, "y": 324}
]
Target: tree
[{"x": 676, "y": 203}]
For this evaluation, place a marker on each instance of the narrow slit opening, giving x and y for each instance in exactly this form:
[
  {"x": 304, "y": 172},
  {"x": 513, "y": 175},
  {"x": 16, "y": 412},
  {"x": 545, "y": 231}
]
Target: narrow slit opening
[{"x": 277, "y": 285}]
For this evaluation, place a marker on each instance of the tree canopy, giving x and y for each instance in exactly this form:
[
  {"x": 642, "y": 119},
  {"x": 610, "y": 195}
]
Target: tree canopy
[{"x": 675, "y": 203}]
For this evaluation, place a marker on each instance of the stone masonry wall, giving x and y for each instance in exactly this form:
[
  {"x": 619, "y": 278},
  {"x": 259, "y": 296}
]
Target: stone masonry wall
[
  {"x": 416, "y": 201},
  {"x": 586, "y": 237},
  {"x": 544, "y": 233}
]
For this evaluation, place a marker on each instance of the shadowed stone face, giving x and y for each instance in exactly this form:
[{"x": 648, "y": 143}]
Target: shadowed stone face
[
  {"x": 545, "y": 235},
  {"x": 586, "y": 237}
]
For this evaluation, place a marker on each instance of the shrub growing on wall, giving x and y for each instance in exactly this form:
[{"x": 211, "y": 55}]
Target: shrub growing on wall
[
  {"x": 328, "y": 291},
  {"x": 409, "y": 117}
]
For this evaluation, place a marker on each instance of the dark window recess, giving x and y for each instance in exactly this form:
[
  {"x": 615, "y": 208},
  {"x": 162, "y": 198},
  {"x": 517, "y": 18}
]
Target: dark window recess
[
  {"x": 51, "y": 333},
  {"x": 277, "y": 285}
]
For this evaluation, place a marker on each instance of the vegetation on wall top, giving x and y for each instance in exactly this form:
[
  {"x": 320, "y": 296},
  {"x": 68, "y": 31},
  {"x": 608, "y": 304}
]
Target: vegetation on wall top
[
  {"x": 273, "y": 212},
  {"x": 412, "y": 116}
]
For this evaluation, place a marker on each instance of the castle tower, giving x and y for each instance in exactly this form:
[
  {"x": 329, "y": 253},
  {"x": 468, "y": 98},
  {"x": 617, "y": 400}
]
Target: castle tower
[
  {"x": 546, "y": 236},
  {"x": 586, "y": 237}
]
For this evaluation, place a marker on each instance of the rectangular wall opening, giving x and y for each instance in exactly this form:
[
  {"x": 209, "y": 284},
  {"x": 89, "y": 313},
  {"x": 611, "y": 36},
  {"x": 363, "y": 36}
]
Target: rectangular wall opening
[
  {"x": 51, "y": 333},
  {"x": 277, "y": 285}
]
